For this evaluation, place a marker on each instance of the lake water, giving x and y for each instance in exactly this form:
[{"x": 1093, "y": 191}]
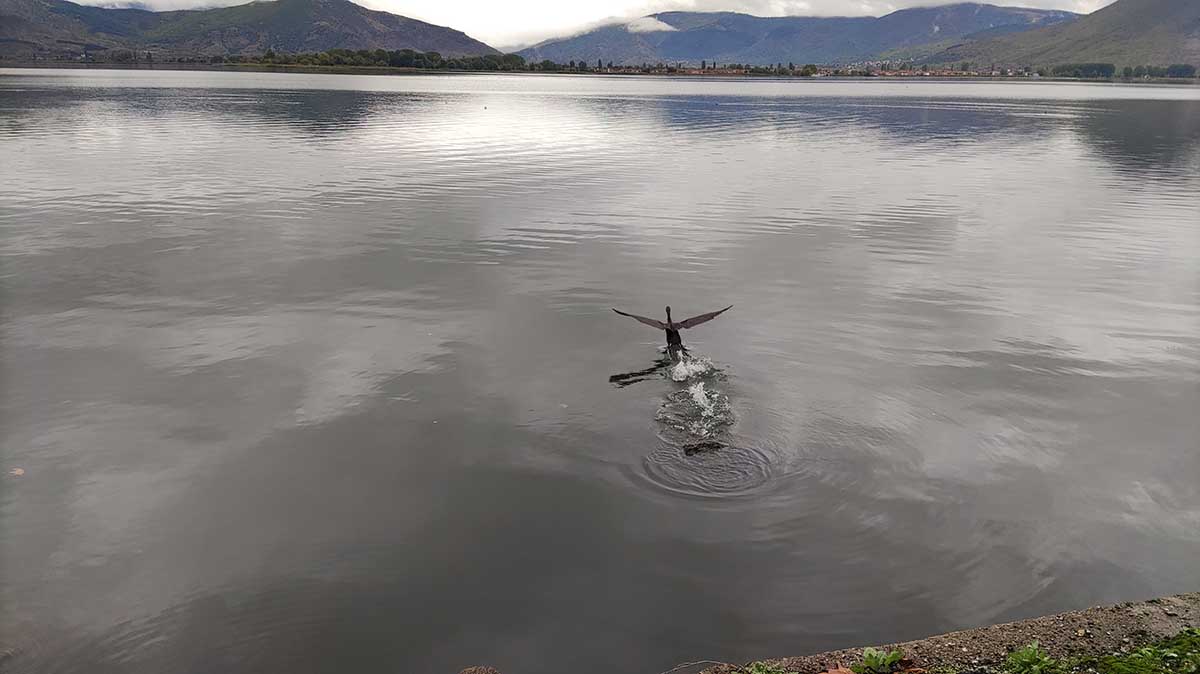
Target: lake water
[{"x": 314, "y": 373}]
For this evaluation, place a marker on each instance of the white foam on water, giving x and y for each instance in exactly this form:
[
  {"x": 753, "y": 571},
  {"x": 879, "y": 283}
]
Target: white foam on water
[
  {"x": 694, "y": 412},
  {"x": 700, "y": 397},
  {"x": 690, "y": 367}
]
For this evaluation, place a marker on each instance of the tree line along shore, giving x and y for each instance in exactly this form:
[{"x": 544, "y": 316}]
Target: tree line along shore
[{"x": 411, "y": 60}]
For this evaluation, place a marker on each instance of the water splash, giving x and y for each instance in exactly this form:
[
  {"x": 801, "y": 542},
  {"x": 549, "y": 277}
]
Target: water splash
[
  {"x": 694, "y": 413},
  {"x": 695, "y": 457},
  {"x": 700, "y": 397},
  {"x": 691, "y": 367}
]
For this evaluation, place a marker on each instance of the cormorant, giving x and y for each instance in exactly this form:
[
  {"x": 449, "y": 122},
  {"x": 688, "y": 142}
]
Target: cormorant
[{"x": 674, "y": 341}]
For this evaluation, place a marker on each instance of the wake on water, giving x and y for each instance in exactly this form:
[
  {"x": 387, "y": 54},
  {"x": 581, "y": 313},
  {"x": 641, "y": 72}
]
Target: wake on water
[
  {"x": 700, "y": 397},
  {"x": 694, "y": 416},
  {"x": 697, "y": 456},
  {"x": 691, "y": 367}
]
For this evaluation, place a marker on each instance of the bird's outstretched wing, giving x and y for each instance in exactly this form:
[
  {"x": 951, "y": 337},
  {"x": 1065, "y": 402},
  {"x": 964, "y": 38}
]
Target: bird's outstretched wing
[
  {"x": 642, "y": 319},
  {"x": 702, "y": 318}
]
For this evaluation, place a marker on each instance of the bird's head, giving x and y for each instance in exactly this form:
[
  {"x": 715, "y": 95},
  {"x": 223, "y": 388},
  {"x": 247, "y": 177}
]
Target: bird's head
[{"x": 668, "y": 313}]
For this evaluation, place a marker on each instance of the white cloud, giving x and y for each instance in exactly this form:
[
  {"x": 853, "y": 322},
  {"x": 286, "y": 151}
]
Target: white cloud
[
  {"x": 648, "y": 24},
  {"x": 518, "y": 23}
]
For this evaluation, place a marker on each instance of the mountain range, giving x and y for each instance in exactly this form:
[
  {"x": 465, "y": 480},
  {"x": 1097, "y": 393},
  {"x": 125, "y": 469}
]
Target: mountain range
[
  {"x": 58, "y": 27},
  {"x": 1125, "y": 33},
  {"x": 728, "y": 37}
]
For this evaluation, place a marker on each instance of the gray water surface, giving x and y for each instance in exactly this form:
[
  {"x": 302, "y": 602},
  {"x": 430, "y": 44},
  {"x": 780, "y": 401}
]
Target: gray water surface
[{"x": 311, "y": 373}]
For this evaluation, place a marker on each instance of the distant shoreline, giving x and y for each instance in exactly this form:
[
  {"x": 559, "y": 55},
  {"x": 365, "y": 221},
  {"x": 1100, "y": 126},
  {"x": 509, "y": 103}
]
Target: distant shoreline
[{"x": 389, "y": 70}]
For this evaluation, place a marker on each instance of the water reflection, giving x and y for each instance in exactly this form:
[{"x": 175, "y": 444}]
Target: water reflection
[
  {"x": 655, "y": 371},
  {"x": 1141, "y": 137},
  {"x": 310, "y": 370},
  {"x": 1140, "y": 132}
]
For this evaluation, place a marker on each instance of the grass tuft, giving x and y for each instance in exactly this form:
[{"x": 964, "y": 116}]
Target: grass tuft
[
  {"x": 876, "y": 661},
  {"x": 1032, "y": 660},
  {"x": 1178, "y": 655}
]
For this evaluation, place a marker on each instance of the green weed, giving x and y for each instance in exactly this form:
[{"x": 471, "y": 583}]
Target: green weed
[
  {"x": 1178, "y": 655},
  {"x": 1032, "y": 660},
  {"x": 876, "y": 661}
]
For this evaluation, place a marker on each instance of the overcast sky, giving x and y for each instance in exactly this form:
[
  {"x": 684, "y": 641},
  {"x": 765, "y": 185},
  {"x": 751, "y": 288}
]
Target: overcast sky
[{"x": 513, "y": 23}]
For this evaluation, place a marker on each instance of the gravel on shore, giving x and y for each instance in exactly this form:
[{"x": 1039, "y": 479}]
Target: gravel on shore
[{"x": 1094, "y": 631}]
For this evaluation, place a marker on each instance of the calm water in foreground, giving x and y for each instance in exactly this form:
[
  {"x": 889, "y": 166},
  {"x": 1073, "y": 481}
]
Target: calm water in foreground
[{"x": 311, "y": 373}]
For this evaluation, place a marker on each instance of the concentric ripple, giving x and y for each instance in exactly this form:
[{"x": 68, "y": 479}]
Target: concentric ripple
[
  {"x": 729, "y": 471},
  {"x": 695, "y": 456}
]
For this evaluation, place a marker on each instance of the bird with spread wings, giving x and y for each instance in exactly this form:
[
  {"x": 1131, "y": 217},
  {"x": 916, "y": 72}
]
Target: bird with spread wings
[{"x": 672, "y": 328}]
